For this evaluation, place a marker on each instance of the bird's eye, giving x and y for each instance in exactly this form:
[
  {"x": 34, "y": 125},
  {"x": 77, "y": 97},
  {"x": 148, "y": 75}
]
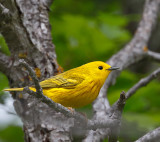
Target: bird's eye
[{"x": 100, "y": 67}]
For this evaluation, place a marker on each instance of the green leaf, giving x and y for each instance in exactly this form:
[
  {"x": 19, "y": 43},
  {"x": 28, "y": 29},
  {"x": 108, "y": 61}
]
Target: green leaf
[
  {"x": 3, "y": 84},
  {"x": 3, "y": 46}
]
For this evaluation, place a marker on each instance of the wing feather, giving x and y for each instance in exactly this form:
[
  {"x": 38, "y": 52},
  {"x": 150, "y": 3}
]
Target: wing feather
[{"x": 60, "y": 81}]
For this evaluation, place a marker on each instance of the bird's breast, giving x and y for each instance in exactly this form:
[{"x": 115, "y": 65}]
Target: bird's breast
[
  {"x": 87, "y": 94},
  {"x": 79, "y": 96}
]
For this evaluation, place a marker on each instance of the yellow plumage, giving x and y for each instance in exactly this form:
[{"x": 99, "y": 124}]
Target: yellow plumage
[{"x": 76, "y": 87}]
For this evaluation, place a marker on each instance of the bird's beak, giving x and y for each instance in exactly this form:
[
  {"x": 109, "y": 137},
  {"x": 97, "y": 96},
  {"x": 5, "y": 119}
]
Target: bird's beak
[{"x": 113, "y": 68}]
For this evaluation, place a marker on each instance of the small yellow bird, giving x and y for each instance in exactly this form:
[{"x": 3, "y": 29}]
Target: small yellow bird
[{"x": 76, "y": 87}]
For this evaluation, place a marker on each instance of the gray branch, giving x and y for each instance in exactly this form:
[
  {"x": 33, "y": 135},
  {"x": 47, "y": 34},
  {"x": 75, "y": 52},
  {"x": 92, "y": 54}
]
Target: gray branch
[
  {"x": 153, "y": 136},
  {"x": 153, "y": 55},
  {"x": 27, "y": 33},
  {"x": 135, "y": 49},
  {"x": 111, "y": 123},
  {"x": 117, "y": 113},
  {"x": 33, "y": 75},
  {"x": 4, "y": 11},
  {"x": 95, "y": 124},
  {"x": 131, "y": 53},
  {"x": 57, "y": 107},
  {"x": 143, "y": 82},
  {"x": 88, "y": 124}
]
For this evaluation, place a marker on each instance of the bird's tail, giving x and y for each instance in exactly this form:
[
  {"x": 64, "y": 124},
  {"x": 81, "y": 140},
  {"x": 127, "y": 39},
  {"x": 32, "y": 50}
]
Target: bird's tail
[{"x": 13, "y": 89}]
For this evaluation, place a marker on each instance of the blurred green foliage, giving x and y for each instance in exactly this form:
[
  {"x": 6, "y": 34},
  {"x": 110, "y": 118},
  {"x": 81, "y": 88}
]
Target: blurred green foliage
[
  {"x": 143, "y": 107},
  {"x": 85, "y": 31},
  {"x": 11, "y": 134},
  {"x": 3, "y": 46},
  {"x": 3, "y": 84},
  {"x": 81, "y": 38}
]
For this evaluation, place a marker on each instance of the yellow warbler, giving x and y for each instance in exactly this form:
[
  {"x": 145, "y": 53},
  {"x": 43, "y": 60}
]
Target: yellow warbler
[{"x": 76, "y": 87}]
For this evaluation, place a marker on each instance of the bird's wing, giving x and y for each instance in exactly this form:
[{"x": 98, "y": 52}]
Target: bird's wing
[{"x": 60, "y": 81}]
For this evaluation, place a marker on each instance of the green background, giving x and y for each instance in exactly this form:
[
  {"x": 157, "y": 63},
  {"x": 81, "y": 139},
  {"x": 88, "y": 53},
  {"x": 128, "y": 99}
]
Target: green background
[{"x": 85, "y": 31}]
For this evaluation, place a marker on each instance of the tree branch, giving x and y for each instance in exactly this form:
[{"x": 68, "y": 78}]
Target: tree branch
[
  {"x": 117, "y": 113},
  {"x": 48, "y": 101},
  {"x": 140, "y": 84},
  {"x": 29, "y": 28},
  {"x": 96, "y": 124},
  {"x": 27, "y": 34},
  {"x": 143, "y": 82},
  {"x": 132, "y": 53},
  {"x": 113, "y": 134},
  {"x": 57, "y": 107},
  {"x": 114, "y": 119},
  {"x": 33, "y": 75},
  {"x": 111, "y": 120},
  {"x": 135, "y": 49},
  {"x": 89, "y": 124},
  {"x": 153, "y": 136},
  {"x": 5, "y": 11},
  {"x": 153, "y": 55}
]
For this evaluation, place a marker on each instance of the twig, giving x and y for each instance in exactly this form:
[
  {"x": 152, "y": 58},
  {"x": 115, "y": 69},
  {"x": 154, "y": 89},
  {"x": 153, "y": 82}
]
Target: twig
[
  {"x": 88, "y": 124},
  {"x": 153, "y": 136},
  {"x": 117, "y": 114},
  {"x": 33, "y": 76},
  {"x": 134, "y": 50},
  {"x": 143, "y": 82},
  {"x": 153, "y": 55},
  {"x": 57, "y": 107},
  {"x": 121, "y": 101},
  {"x": 4, "y": 10},
  {"x": 132, "y": 53},
  {"x": 112, "y": 120},
  {"x": 140, "y": 84}
]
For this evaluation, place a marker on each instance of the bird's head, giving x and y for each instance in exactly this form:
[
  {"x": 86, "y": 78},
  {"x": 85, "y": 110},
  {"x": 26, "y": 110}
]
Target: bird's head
[{"x": 99, "y": 69}]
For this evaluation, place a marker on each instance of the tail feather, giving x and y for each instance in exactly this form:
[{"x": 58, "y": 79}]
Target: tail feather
[{"x": 13, "y": 89}]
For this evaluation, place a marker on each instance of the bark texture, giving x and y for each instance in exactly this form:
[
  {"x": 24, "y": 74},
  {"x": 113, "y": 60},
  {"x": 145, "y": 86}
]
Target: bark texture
[
  {"x": 25, "y": 26},
  {"x": 133, "y": 52},
  {"x": 26, "y": 29}
]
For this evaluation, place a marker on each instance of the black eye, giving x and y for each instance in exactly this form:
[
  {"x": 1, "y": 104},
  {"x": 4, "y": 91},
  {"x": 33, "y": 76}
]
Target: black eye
[{"x": 100, "y": 67}]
